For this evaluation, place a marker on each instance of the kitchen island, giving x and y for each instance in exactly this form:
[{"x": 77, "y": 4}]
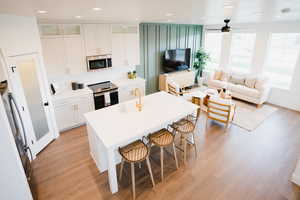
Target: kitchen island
[{"x": 115, "y": 126}]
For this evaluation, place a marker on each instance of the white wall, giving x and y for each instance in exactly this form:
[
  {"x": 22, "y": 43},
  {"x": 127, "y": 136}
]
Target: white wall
[
  {"x": 13, "y": 183},
  {"x": 19, "y": 34},
  {"x": 285, "y": 98}
]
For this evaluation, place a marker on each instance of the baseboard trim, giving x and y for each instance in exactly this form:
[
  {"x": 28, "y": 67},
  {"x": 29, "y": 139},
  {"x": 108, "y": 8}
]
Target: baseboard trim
[{"x": 295, "y": 179}]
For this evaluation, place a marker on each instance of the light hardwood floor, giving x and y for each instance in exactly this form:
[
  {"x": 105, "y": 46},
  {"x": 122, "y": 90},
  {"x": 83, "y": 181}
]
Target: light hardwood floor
[{"x": 237, "y": 165}]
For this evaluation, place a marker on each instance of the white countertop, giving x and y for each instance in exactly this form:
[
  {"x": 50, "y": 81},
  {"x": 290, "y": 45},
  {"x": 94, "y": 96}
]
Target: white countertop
[
  {"x": 118, "y": 124},
  {"x": 72, "y": 93},
  {"x": 68, "y": 93}
]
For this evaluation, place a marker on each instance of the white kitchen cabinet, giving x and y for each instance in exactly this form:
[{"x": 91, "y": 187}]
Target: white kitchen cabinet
[
  {"x": 54, "y": 30},
  {"x": 125, "y": 45},
  {"x": 97, "y": 39},
  {"x": 54, "y": 56},
  {"x": 69, "y": 109},
  {"x": 74, "y": 49},
  {"x": 63, "y": 55},
  {"x": 65, "y": 116}
]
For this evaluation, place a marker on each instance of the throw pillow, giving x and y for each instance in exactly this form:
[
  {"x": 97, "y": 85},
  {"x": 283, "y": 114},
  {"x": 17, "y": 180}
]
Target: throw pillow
[
  {"x": 260, "y": 82},
  {"x": 250, "y": 82},
  {"x": 218, "y": 75},
  {"x": 225, "y": 76},
  {"x": 237, "y": 80}
]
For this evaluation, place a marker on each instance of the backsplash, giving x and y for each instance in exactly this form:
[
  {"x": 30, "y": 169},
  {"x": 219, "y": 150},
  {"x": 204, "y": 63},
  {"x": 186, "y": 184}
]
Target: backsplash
[{"x": 109, "y": 74}]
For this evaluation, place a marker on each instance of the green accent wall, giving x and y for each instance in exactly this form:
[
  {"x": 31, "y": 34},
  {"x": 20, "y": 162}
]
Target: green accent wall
[{"x": 155, "y": 39}]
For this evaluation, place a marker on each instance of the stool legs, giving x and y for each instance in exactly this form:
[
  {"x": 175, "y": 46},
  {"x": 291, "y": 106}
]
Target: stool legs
[
  {"x": 150, "y": 170},
  {"x": 133, "y": 180},
  {"x": 162, "y": 163},
  {"x": 121, "y": 169},
  {"x": 175, "y": 156},
  {"x": 195, "y": 147},
  {"x": 184, "y": 149}
]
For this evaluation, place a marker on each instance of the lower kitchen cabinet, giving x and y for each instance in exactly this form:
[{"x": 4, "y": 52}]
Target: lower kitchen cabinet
[{"x": 70, "y": 111}]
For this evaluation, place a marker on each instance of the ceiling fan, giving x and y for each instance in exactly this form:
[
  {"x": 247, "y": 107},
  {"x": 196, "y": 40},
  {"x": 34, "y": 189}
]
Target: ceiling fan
[{"x": 224, "y": 29}]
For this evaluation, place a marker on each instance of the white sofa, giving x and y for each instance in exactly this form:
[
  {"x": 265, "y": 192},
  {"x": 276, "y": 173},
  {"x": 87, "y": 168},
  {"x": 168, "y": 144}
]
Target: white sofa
[{"x": 254, "y": 89}]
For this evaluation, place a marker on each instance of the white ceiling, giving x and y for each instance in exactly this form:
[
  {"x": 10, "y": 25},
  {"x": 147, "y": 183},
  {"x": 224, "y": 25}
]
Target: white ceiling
[{"x": 181, "y": 11}]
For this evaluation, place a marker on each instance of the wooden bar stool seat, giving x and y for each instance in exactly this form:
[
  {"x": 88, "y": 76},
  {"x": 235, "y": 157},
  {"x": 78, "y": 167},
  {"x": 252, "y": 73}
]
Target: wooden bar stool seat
[
  {"x": 162, "y": 139},
  {"x": 186, "y": 127},
  {"x": 135, "y": 152}
]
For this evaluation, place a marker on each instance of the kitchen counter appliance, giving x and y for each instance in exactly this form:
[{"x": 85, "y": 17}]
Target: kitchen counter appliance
[{"x": 105, "y": 94}]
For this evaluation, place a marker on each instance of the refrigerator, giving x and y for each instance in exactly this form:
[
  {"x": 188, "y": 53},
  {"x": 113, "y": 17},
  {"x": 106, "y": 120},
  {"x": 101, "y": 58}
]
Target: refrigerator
[{"x": 18, "y": 131}]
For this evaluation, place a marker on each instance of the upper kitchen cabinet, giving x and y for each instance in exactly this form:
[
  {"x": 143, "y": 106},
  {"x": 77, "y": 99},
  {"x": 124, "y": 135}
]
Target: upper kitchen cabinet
[
  {"x": 98, "y": 39},
  {"x": 125, "y": 45},
  {"x": 63, "y": 49},
  {"x": 54, "y": 30}
]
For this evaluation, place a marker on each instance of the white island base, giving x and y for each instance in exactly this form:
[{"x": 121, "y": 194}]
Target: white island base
[{"x": 115, "y": 126}]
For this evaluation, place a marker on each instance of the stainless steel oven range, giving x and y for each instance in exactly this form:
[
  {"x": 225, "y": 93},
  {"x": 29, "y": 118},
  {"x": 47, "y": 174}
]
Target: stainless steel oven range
[{"x": 105, "y": 94}]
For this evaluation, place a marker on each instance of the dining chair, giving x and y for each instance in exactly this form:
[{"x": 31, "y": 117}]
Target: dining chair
[
  {"x": 186, "y": 128},
  {"x": 221, "y": 110},
  {"x": 135, "y": 152},
  {"x": 162, "y": 139},
  {"x": 174, "y": 89}
]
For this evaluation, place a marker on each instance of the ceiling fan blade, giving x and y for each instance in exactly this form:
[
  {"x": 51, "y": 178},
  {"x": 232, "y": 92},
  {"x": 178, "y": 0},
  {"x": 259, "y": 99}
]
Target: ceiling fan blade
[{"x": 213, "y": 29}]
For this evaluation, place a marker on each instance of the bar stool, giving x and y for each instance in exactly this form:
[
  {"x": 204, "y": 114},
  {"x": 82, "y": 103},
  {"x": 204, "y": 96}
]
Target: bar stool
[
  {"x": 162, "y": 139},
  {"x": 186, "y": 127},
  {"x": 132, "y": 153}
]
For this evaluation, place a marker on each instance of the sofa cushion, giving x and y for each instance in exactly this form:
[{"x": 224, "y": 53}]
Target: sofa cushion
[
  {"x": 217, "y": 84},
  {"x": 224, "y": 76},
  {"x": 236, "y": 79},
  {"x": 260, "y": 82},
  {"x": 250, "y": 82},
  {"x": 242, "y": 89},
  {"x": 218, "y": 75}
]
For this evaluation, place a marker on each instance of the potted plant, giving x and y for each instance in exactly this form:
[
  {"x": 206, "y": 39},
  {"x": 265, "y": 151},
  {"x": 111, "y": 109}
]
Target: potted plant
[{"x": 201, "y": 58}]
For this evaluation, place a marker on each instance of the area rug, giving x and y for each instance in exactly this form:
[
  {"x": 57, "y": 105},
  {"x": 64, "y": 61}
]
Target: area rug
[{"x": 249, "y": 117}]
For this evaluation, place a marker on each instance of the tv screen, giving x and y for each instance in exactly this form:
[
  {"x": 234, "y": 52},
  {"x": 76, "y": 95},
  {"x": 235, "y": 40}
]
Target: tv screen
[{"x": 177, "y": 60}]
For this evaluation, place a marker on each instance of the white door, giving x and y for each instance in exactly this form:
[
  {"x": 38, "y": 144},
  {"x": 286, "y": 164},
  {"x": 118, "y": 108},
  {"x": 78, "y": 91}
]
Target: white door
[{"x": 30, "y": 90}]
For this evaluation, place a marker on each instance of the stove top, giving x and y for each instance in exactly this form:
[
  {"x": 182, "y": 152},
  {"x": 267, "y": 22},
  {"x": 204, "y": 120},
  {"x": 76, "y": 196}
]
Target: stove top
[{"x": 102, "y": 87}]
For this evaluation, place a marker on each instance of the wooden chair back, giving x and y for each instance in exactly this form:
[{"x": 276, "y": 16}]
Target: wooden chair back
[
  {"x": 172, "y": 90},
  {"x": 220, "y": 111}
]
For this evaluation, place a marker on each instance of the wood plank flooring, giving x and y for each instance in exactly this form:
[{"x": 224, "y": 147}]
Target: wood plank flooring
[{"x": 236, "y": 165}]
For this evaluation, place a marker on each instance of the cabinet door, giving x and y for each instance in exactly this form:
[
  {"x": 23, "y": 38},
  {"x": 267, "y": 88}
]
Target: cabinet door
[
  {"x": 65, "y": 116},
  {"x": 54, "y": 56},
  {"x": 132, "y": 46},
  {"x": 104, "y": 40},
  {"x": 118, "y": 50},
  {"x": 75, "y": 55},
  {"x": 90, "y": 39},
  {"x": 85, "y": 105}
]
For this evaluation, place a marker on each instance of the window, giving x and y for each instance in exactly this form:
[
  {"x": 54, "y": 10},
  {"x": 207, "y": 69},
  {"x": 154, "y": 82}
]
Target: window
[
  {"x": 213, "y": 44},
  {"x": 281, "y": 59},
  {"x": 242, "y": 45}
]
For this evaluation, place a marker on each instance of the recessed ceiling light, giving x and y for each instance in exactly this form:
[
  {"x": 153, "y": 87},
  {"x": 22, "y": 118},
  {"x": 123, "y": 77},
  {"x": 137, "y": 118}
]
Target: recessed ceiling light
[
  {"x": 228, "y": 6},
  {"x": 136, "y": 19},
  {"x": 42, "y": 11},
  {"x": 97, "y": 9},
  {"x": 78, "y": 16},
  {"x": 169, "y": 14},
  {"x": 169, "y": 20}
]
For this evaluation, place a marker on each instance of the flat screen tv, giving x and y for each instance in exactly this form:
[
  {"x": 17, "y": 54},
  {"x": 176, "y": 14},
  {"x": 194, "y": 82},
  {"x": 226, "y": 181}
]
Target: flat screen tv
[{"x": 176, "y": 60}]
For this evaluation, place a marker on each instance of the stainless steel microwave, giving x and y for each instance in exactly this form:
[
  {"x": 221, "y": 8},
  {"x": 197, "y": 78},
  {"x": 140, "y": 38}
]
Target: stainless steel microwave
[{"x": 98, "y": 62}]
